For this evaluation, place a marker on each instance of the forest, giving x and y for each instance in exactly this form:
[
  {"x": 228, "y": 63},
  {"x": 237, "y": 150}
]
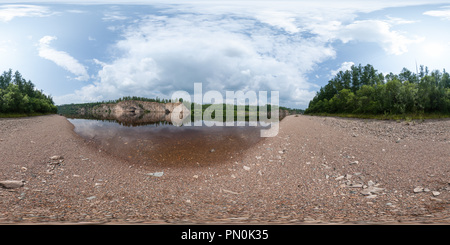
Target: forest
[
  {"x": 362, "y": 90},
  {"x": 19, "y": 96}
]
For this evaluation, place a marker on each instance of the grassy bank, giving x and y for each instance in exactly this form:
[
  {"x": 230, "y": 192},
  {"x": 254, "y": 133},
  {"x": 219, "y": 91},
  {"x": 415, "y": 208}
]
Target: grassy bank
[
  {"x": 407, "y": 117},
  {"x": 17, "y": 115}
]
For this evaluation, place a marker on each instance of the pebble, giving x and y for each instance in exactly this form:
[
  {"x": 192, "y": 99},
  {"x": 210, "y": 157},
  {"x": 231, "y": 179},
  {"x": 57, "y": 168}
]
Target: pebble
[
  {"x": 156, "y": 174},
  {"x": 339, "y": 178},
  {"x": 371, "y": 190},
  {"x": 11, "y": 184},
  {"x": 56, "y": 157}
]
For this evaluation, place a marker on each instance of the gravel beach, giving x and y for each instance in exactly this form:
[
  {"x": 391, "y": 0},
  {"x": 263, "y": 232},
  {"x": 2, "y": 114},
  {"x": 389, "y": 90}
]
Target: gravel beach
[{"x": 317, "y": 170}]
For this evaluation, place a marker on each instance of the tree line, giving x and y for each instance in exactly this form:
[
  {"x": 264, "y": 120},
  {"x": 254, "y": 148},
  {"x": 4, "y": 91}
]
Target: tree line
[
  {"x": 363, "y": 90},
  {"x": 17, "y": 95}
]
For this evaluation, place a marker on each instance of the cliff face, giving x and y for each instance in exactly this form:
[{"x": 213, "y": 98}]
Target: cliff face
[
  {"x": 133, "y": 111},
  {"x": 144, "y": 111},
  {"x": 136, "y": 107},
  {"x": 283, "y": 113}
]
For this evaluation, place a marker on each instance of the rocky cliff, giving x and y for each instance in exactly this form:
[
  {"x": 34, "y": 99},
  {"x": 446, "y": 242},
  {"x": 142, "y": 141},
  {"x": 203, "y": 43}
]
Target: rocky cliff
[
  {"x": 132, "y": 106},
  {"x": 136, "y": 112}
]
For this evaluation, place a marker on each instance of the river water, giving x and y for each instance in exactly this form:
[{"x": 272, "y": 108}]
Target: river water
[{"x": 163, "y": 144}]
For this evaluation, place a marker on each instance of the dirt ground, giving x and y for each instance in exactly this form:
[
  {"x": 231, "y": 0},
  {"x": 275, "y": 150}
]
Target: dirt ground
[{"x": 317, "y": 170}]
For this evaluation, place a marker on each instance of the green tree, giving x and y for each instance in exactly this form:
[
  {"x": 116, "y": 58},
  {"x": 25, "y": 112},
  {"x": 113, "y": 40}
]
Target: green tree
[{"x": 19, "y": 96}]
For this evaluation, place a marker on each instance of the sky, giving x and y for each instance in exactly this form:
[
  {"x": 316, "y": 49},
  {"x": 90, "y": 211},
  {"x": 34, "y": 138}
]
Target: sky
[{"x": 88, "y": 51}]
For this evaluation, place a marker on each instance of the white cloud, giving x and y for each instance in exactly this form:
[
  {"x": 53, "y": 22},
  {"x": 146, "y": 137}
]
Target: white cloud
[
  {"x": 237, "y": 45},
  {"x": 61, "y": 58},
  {"x": 283, "y": 20},
  {"x": 164, "y": 54},
  {"x": 114, "y": 16},
  {"x": 9, "y": 12},
  {"x": 443, "y": 14},
  {"x": 377, "y": 31},
  {"x": 344, "y": 67}
]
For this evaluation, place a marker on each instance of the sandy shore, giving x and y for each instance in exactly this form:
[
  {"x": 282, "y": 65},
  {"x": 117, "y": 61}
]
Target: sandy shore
[{"x": 317, "y": 170}]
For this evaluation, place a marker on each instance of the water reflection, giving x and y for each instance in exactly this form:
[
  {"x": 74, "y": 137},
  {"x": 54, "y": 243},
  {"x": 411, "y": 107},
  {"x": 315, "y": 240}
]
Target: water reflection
[{"x": 153, "y": 140}]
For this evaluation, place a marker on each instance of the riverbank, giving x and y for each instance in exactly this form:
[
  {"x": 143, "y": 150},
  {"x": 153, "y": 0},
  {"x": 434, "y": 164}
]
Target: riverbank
[
  {"x": 397, "y": 117},
  {"x": 316, "y": 170}
]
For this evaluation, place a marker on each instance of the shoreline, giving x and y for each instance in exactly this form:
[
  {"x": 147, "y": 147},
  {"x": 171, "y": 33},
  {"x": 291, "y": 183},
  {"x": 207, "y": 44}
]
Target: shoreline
[{"x": 314, "y": 171}]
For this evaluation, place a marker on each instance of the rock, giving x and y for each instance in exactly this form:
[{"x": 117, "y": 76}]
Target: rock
[
  {"x": 11, "y": 184},
  {"x": 435, "y": 193},
  {"x": 354, "y": 162},
  {"x": 370, "y": 196},
  {"x": 56, "y": 157},
  {"x": 436, "y": 199},
  {"x": 371, "y": 190},
  {"x": 355, "y": 185},
  {"x": 246, "y": 168},
  {"x": 418, "y": 189},
  {"x": 212, "y": 150},
  {"x": 339, "y": 178},
  {"x": 156, "y": 174}
]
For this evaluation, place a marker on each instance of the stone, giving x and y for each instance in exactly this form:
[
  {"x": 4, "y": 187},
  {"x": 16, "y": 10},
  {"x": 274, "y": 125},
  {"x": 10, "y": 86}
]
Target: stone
[
  {"x": 354, "y": 162},
  {"x": 246, "y": 168},
  {"x": 339, "y": 178},
  {"x": 436, "y": 199},
  {"x": 356, "y": 185},
  {"x": 435, "y": 193},
  {"x": 156, "y": 174},
  {"x": 370, "y": 196},
  {"x": 56, "y": 157},
  {"x": 370, "y": 183},
  {"x": 418, "y": 189},
  {"x": 12, "y": 184},
  {"x": 371, "y": 190}
]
